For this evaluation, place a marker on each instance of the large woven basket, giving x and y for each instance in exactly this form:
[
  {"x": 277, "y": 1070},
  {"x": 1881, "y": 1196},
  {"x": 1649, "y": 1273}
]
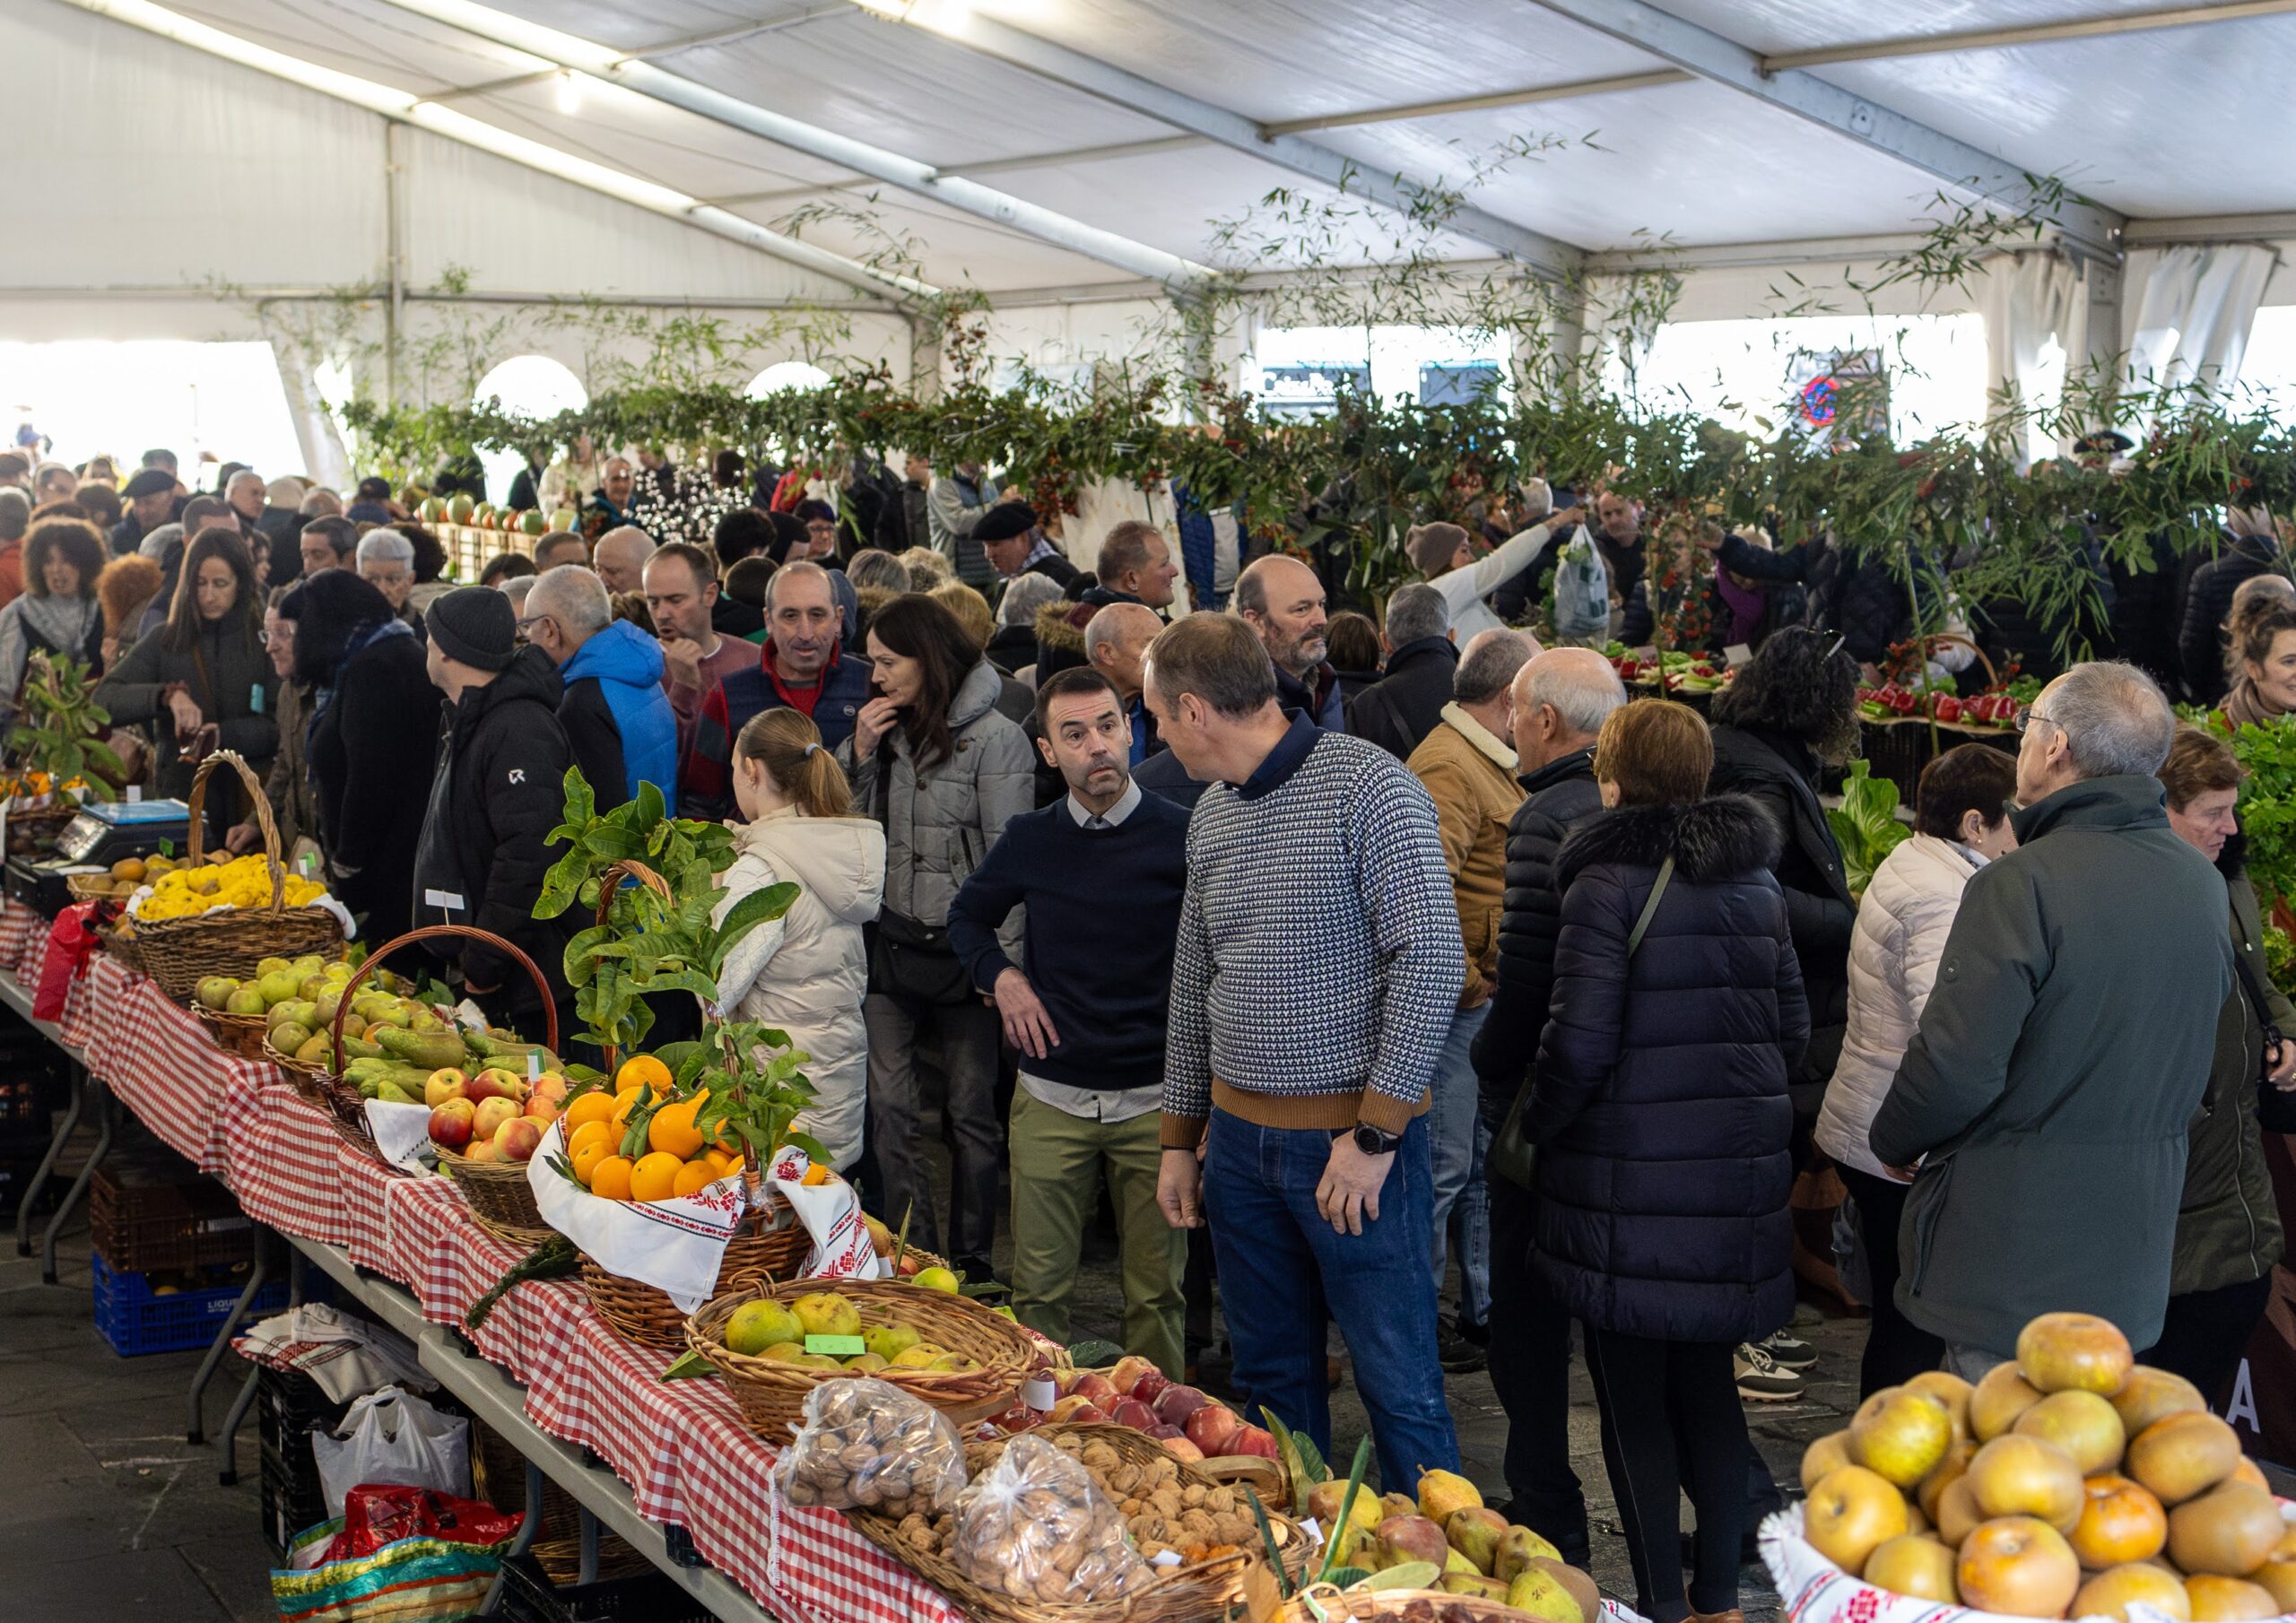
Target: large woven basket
[
  {"x": 771, "y": 1395},
  {"x": 648, "y": 1316},
  {"x": 1185, "y": 1594},
  {"x": 1376, "y": 1606},
  {"x": 178, "y": 953},
  {"x": 512, "y": 1211},
  {"x": 244, "y": 1036}
]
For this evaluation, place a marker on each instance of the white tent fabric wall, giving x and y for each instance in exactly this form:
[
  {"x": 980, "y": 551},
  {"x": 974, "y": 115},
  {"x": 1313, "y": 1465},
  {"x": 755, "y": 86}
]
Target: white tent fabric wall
[
  {"x": 2028, "y": 300},
  {"x": 324, "y": 458},
  {"x": 2193, "y": 307}
]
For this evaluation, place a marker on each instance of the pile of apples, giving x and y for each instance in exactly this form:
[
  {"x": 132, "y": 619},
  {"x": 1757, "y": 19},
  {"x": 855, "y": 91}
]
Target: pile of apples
[
  {"x": 2073, "y": 1481},
  {"x": 1134, "y": 1393},
  {"x": 495, "y": 1115}
]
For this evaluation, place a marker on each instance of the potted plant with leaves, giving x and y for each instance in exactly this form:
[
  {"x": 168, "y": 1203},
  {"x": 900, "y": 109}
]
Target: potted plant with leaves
[{"x": 57, "y": 753}]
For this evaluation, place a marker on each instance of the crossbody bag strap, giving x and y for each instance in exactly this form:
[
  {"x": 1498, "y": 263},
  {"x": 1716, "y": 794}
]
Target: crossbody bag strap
[{"x": 1650, "y": 907}]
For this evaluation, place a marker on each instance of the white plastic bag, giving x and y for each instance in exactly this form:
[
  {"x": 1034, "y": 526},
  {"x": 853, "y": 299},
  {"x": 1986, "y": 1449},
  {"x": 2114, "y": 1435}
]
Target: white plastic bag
[
  {"x": 1034, "y": 1526},
  {"x": 392, "y": 1435},
  {"x": 1582, "y": 590}
]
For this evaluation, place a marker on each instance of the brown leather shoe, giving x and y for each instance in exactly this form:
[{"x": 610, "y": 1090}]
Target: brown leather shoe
[{"x": 1734, "y": 1615}]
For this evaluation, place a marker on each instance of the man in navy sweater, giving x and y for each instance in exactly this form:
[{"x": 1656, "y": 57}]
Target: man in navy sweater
[{"x": 1102, "y": 872}]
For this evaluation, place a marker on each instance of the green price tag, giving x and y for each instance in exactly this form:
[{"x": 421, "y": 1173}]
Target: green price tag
[{"x": 837, "y": 1346}]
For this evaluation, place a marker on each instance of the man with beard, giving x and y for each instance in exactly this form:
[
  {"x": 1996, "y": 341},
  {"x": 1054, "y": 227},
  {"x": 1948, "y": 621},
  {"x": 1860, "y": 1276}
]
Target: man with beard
[{"x": 1281, "y": 599}]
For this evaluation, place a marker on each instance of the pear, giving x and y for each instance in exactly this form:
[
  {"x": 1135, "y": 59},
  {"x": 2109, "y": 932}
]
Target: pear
[
  {"x": 1541, "y": 1593},
  {"x": 1519, "y": 1547},
  {"x": 1474, "y": 1532},
  {"x": 1472, "y": 1583},
  {"x": 758, "y": 1325},
  {"x": 1443, "y": 1492},
  {"x": 888, "y": 1342}
]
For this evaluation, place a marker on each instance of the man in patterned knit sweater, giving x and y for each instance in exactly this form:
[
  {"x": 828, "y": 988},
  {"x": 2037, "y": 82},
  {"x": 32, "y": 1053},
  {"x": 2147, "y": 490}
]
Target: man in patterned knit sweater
[{"x": 1317, "y": 969}]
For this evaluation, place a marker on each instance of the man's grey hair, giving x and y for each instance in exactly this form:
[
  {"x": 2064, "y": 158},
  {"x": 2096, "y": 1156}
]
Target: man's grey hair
[
  {"x": 1025, "y": 595},
  {"x": 1580, "y": 684},
  {"x": 1538, "y": 500},
  {"x": 1489, "y": 664},
  {"x": 2115, "y": 721},
  {"x": 162, "y": 537},
  {"x": 1106, "y": 626},
  {"x": 517, "y": 588},
  {"x": 572, "y": 596},
  {"x": 876, "y": 566},
  {"x": 319, "y": 502},
  {"x": 623, "y": 534},
  {"x": 1415, "y": 611},
  {"x": 385, "y": 546},
  {"x": 233, "y": 484}
]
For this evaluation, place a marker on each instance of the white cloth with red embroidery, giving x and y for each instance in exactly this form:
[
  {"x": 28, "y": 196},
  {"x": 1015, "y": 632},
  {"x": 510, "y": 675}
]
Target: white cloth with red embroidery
[
  {"x": 831, "y": 1213},
  {"x": 675, "y": 1245},
  {"x": 1811, "y": 1589}
]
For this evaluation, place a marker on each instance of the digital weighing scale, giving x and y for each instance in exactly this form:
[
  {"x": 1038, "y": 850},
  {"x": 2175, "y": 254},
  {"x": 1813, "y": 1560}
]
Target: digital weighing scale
[{"x": 103, "y": 833}]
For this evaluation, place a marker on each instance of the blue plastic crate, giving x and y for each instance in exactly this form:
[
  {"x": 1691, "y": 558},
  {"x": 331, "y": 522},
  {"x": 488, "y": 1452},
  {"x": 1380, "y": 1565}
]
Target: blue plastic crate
[{"x": 136, "y": 1321}]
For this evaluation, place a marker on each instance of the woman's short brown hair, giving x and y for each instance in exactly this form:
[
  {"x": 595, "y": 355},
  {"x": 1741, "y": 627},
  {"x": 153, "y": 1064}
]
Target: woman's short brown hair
[
  {"x": 1658, "y": 752},
  {"x": 2198, "y": 761},
  {"x": 970, "y": 607},
  {"x": 1968, "y": 778}
]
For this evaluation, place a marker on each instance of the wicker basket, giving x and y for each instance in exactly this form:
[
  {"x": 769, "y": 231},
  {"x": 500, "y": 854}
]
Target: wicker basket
[
  {"x": 43, "y": 824},
  {"x": 82, "y": 888},
  {"x": 348, "y": 1110},
  {"x": 499, "y": 1197},
  {"x": 120, "y": 941},
  {"x": 1186, "y": 1595},
  {"x": 246, "y": 1035},
  {"x": 178, "y": 953},
  {"x": 648, "y": 1316},
  {"x": 772, "y": 1394},
  {"x": 1368, "y": 1605}
]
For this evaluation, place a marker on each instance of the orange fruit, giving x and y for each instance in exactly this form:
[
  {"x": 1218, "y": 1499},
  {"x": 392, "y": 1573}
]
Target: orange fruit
[
  {"x": 655, "y": 1177},
  {"x": 623, "y": 1105},
  {"x": 595, "y": 1107},
  {"x": 815, "y": 1177},
  {"x": 585, "y": 1160},
  {"x": 693, "y": 1177},
  {"x": 591, "y": 1132},
  {"x": 640, "y": 1070},
  {"x": 610, "y": 1177},
  {"x": 672, "y": 1130},
  {"x": 719, "y": 1158}
]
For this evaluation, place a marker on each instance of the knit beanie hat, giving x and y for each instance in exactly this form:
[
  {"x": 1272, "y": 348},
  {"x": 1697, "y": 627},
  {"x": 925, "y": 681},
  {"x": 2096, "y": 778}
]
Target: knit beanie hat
[
  {"x": 1003, "y": 521},
  {"x": 1433, "y": 546},
  {"x": 475, "y": 625}
]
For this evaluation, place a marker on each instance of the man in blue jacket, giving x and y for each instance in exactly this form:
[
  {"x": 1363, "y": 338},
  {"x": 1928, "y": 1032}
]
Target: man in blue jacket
[{"x": 617, "y": 719}]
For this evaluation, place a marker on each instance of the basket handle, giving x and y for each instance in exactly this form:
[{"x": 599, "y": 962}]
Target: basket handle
[
  {"x": 1992, "y": 677},
  {"x": 263, "y": 820},
  {"x": 427, "y": 933},
  {"x": 609, "y": 882}
]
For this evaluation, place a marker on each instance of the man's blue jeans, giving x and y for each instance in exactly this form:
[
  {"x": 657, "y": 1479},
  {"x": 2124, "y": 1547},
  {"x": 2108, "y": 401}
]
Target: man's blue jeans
[
  {"x": 1456, "y": 1142},
  {"x": 1282, "y": 1268}
]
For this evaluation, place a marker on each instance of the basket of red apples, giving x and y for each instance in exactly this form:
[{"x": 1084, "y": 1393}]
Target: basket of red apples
[{"x": 1133, "y": 1392}]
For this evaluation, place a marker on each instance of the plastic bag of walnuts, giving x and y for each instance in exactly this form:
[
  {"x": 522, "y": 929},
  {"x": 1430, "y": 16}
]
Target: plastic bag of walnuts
[
  {"x": 1034, "y": 1527},
  {"x": 868, "y": 1446}
]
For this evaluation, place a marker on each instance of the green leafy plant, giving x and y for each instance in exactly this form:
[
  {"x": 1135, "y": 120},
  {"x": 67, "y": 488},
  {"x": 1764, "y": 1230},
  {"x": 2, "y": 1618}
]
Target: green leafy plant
[
  {"x": 1866, "y": 824},
  {"x": 2268, "y": 806},
  {"x": 59, "y": 728}
]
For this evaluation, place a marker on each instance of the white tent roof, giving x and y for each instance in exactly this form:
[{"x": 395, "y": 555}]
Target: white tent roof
[{"x": 1100, "y": 140}]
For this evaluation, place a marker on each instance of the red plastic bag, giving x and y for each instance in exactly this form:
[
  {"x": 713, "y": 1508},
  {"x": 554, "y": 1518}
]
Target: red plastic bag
[{"x": 384, "y": 1513}]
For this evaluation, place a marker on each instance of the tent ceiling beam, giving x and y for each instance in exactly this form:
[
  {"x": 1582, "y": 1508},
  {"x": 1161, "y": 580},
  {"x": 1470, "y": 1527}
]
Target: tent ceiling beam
[
  {"x": 967, "y": 196},
  {"x": 1544, "y": 256},
  {"x": 2036, "y": 33},
  {"x": 192, "y": 293},
  {"x": 384, "y": 101},
  {"x": 729, "y": 36},
  {"x": 2087, "y": 226}
]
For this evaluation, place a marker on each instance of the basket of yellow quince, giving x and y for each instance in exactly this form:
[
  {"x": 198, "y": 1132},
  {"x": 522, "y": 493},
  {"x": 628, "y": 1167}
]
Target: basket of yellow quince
[{"x": 207, "y": 918}]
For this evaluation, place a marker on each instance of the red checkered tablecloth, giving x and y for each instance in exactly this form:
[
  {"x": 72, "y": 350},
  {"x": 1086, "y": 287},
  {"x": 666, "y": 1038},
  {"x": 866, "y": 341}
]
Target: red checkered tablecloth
[
  {"x": 17, "y": 925},
  {"x": 683, "y": 1447}
]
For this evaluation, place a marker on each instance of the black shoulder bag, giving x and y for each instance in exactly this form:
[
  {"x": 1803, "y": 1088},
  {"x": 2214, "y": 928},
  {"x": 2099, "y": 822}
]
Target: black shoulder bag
[
  {"x": 911, "y": 962},
  {"x": 1512, "y": 1156}
]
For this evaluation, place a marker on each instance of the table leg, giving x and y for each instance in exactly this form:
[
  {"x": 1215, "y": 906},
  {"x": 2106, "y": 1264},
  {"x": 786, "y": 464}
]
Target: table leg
[
  {"x": 228, "y": 1442},
  {"x": 589, "y": 1573},
  {"x": 103, "y": 1100},
  {"x": 64, "y": 1131},
  {"x": 195, "y": 1432},
  {"x": 518, "y": 1545}
]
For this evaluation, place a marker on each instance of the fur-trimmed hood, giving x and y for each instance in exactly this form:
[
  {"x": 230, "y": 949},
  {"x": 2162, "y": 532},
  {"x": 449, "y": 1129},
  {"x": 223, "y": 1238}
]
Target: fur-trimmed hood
[
  {"x": 1717, "y": 838},
  {"x": 1058, "y": 627}
]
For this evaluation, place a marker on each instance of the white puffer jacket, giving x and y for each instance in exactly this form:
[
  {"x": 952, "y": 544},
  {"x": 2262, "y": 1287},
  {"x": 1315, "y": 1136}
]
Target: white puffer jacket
[
  {"x": 807, "y": 971},
  {"x": 1902, "y": 923}
]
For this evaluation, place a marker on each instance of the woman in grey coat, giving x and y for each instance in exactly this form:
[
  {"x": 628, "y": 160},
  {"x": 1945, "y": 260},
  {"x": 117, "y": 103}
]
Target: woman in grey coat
[{"x": 932, "y": 759}]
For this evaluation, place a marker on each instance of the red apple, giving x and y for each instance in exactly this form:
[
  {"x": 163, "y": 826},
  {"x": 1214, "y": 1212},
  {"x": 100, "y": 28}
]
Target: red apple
[
  {"x": 542, "y": 1110},
  {"x": 517, "y": 1139},
  {"x": 1067, "y": 1408},
  {"x": 1165, "y": 1434},
  {"x": 1254, "y": 1439},
  {"x": 450, "y": 1124},
  {"x": 1150, "y": 1386},
  {"x": 1133, "y": 1412},
  {"x": 1096, "y": 1386},
  {"x": 1127, "y": 1375},
  {"x": 1174, "y": 1404},
  {"x": 484, "y": 1086},
  {"x": 1214, "y": 1428},
  {"x": 1089, "y": 1415},
  {"x": 491, "y": 1114},
  {"x": 1183, "y": 1449},
  {"x": 444, "y": 1084}
]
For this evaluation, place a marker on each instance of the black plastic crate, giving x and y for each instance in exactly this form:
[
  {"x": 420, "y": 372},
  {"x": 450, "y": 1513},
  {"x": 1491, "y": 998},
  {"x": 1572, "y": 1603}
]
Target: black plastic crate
[
  {"x": 289, "y": 1406},
  {"x": 649, "y": 1597},
  {"x": 289, "y": 1498}
]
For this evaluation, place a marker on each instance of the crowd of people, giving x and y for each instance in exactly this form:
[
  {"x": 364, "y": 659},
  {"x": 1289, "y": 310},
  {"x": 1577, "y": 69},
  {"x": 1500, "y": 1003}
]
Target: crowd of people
[{"x": 1336, "y": 956}]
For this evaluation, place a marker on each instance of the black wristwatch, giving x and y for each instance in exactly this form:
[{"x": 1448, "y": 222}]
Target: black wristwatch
[{"x": 1370, "y": 1140}]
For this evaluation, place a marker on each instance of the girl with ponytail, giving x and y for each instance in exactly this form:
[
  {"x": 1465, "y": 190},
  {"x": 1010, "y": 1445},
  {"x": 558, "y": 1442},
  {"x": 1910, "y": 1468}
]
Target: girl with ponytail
[{"x": 807, "y": 971}]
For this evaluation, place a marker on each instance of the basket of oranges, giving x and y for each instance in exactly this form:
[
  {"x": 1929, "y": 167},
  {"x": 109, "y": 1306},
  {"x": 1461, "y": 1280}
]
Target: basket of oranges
[{"x": 640, "y": 1143}]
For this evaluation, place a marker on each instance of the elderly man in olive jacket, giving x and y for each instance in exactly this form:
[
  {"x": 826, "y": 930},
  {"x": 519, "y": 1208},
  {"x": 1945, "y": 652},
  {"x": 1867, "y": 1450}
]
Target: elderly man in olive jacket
[{"x": 2049, "y": 1091}]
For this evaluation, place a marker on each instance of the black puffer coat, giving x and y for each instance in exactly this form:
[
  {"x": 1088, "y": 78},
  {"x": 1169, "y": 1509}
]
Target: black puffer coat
[
  {"x": 1403, "y": 707},
  {"x": 2208, "y": 602},
  {"x": 1559, "y": 795},
  {"x": 1780, "y": 775},
  {"x": 1660, "y": 1110}
]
